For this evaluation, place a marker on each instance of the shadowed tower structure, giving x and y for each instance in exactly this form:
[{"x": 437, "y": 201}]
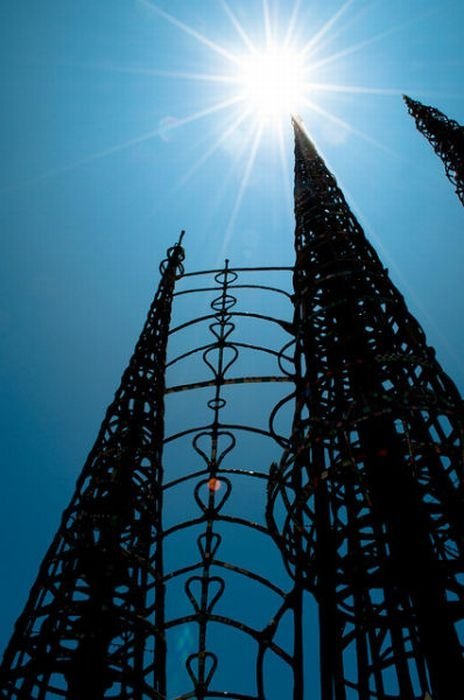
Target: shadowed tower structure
[
  {"x": 446, "y": 137},
  {"x": 91, "y": 614},
  {"x": 217, "y": 537},
  {"x": 374, "y": 525}
]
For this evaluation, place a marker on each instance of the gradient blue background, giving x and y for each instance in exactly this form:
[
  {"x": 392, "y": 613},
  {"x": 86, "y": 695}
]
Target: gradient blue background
[{"x": 88, "y": 206}]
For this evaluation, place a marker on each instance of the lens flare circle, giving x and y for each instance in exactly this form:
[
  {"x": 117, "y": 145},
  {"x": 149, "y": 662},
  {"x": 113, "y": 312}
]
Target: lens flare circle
[
  {"x": 273, "y": 82},
  {"x": 214, "y": 484}
]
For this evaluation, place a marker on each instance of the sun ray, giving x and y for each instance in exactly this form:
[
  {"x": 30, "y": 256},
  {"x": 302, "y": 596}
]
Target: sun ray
[
  {"x": 240, "y": 30},
  {"x": 359, "y": 89},
  {"x": 208, "y": 77},
  {"x": 140, "y": 70},
  {"x": 291, "y": 24},
  {"x": 371, "y": 40},
  {"x": 206, "y": 112},
  {"x": 267, "y": 24},
  {"x": 241, "y": 191},
  {"x": 353, "y": 89},
  {"x": 349, "y": 21},
  {"x": 345, "y": 125},
  {"x": 236, "y": 122},
  {"x": 352, "y": 49},
  {"x": 56, "y": 172},
  {"x": 326, "y": 27},
  {"x": 189, "y": 30}
]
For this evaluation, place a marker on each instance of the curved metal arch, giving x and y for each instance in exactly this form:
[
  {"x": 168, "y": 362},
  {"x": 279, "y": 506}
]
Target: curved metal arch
[
  {"x": 264, "y": 268},
  {"x": 217, "y": 518},
  {"x": 263, "y": 287},
  {"x": 238, "y": 344},
  {"x": 228, "y": 382},
  {"x": 224, "y": 470},
  {"x": 285, "y": 325},
  {"x": 229, "y": 567},
  {"x": 225, "y": 426}
]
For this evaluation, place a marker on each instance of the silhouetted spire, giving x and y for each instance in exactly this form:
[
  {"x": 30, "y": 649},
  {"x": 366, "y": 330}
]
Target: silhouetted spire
[{"x": 446, "y": 137}]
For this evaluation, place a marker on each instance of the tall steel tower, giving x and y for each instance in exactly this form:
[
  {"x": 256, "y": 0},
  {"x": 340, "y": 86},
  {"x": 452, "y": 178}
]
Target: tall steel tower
[
  {"x": 446, "y": 137},
  {"x": 96, "y": 602},
  {"x": 373, "y": 481},
  {"x": 273, "y": 507}
]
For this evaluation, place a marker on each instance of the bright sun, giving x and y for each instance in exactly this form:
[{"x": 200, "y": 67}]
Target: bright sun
[
  {"x": 273, "y": 82},
  {"x": 265, "y": 82}
]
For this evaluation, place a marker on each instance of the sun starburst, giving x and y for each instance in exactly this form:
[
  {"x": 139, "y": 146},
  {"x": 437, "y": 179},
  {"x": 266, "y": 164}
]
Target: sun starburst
[
  {"x": 259, "y": 83},
  {"x": 268, "y": 80},
  {"x": 273, "y": 82}
]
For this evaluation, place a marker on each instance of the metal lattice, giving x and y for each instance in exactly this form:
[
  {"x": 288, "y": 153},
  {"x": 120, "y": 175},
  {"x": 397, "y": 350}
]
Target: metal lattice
[
  {"x": 96, "y": 604},
  {"x": 446, "y": 137},
  {"x": 280, "y": 471},
  {"x": 372, "y": 483},
  {"x": 137, "y": 597}
]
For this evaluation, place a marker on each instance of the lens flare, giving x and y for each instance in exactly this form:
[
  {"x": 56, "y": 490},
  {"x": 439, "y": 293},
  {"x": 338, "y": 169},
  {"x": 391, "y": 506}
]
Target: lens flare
[{"x": 214, "y": 484}]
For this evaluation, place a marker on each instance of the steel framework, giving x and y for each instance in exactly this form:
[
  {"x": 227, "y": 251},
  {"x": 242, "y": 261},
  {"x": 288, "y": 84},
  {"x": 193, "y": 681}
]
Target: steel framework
[
  {"x": 378, "y": 453},
  {"x": 97, "y": 600},
  {"x": 446, "y": 137},
  {"x": 280, "y": 471}
]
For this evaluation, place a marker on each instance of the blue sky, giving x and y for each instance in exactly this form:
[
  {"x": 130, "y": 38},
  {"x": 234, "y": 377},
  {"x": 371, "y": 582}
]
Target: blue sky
[{"x": 98, "y": 147}]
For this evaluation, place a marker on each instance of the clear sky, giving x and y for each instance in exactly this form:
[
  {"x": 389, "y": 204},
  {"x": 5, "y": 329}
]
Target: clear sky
[{"x": 113, "y": 141}]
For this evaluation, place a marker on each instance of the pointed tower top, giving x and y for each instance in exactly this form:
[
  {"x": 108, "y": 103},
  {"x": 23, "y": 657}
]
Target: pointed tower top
[
  {"x": 174, "y": 257},
  {"x": 302, "y": 138},
  {"x": 413, "y": 104},
  {"x": 298, "y": 125}
]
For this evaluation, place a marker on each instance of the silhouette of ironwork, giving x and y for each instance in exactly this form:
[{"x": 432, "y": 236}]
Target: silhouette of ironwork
[
  {"x": 98, "y": 598},
  {"x": 277, "y": 465},
  {"x": 372, "y": 482},
  {"x": 446, "y": 137},
  {"x": 137, "y": 596}
]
